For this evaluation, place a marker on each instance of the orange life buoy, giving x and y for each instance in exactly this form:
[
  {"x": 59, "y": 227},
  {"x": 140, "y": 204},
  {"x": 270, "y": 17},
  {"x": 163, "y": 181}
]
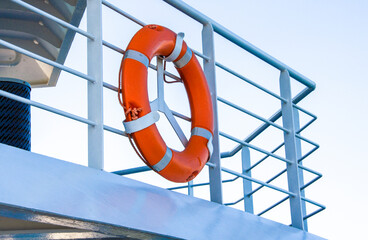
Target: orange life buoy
[{"x": 148, "y": 42}]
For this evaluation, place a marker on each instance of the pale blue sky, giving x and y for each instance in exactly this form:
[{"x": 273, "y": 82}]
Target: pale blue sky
[
  {"x": 324, "y": 40},
  {"x": 327, "y": 42}
]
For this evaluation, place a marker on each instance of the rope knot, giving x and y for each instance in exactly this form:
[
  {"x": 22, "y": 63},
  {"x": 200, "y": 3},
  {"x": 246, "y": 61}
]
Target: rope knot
[{"x": 134, "y": 112}]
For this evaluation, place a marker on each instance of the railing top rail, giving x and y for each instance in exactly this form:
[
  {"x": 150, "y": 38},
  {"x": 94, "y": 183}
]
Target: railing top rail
[{"x": 232, "y": 37}]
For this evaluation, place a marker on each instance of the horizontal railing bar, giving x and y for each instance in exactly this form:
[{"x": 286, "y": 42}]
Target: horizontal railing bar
[
  {"x": 142, "y": 169},
  {"x": 167, "y": 73},
  {"x": 53, "y": 18},
  {"x": 304, "y": 111},
  {"x": 307, "y": 140},
  {"x": 268, "y": 181},
  {"x": 122, "y": 51},
  {"x": 307, "y": 154},
  {"x": 249, "y": 81},
  {"x": 179, "y": 115},
  {"x": 119, "y": 50},
  {"x": 212, "y": 165},
  {"x": 312, "y": 202},
  {"x": 114, "y": 130},
  {"x": 278, "y": 175},
  {"x": 231, "y": 180},
  {"x": 306, "y": 125},
  {"x": 111, "y": 87},
  {"x": 251, "y": 114},
  {"x": 132, "y": 170},
  {"x": 186, "y": 186},
  {"x": 127, "y": 15},
  {"x": 226, "y": 154},
  {"x": 233, "y": 203},
  {"x": 46, "y": 107},
  {"x": 314, "y": 118},
  {"x": 232, "y": 37},
  {"x": 309, "y": 170},
  {"x": 265, "y": 157},
  {"x": 310, "y": 183},
  {"x": 113, "y": 47},
  {"x": 257, "y": 181},
  {"x": 253, "y": 147},
  {"x": 200, "y": 55},
  {"x": 45, "y": 60},
  {"x": 313, "y": 213},
  {"x": 273, "y": 206},
  {"x": 264, "y": 126},
  {"x": 200, "y": 184}
]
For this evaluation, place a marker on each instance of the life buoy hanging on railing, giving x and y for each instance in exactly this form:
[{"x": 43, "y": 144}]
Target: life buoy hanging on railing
[{"x": 151, "y": 41}]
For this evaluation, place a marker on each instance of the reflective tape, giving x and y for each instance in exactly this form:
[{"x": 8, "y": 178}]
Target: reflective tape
[
  {"x": 141, "y": 123},
  {"x": 184, "y": 60},
  {"x": 165, "y": 160},
  {"x": 197, "y": 131},
  {"x": 140, "y": 57},
  {"x": 177, "y": 49}
]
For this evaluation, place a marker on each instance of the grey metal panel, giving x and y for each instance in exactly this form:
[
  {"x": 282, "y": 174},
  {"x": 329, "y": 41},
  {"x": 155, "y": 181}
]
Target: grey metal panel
[
  {"x": 43, "y": 189},
  {"x": 55, "y": 234},
  {"x": 35, "y": 32}
]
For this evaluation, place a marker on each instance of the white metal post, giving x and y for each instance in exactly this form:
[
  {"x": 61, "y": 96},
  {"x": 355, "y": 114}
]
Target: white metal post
[
  {"x": 299, "y": 155},
  {"x": 291, "y": 151},
  {"x": 210, "y": 72},
  {"x": 247, "y": 185},
  {"x": 95, "y": 90},
  {"x": 160, "y": 84}
]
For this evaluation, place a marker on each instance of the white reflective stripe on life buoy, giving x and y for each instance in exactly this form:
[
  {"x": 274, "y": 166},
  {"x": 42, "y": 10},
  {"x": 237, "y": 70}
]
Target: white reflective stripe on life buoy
[
  {"x": 140, "y": 57},
  {"x": 184, "y": 59},
  {"x": 206, "y": 134},
  {"x": 165, "y": 160},
  {"x": 141, "y": 123},
  {"x": 177, "y": 49}
]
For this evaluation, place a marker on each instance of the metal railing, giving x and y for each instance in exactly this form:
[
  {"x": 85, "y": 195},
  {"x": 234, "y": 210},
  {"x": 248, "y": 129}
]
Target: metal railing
[{"x": 289, "y": 113}]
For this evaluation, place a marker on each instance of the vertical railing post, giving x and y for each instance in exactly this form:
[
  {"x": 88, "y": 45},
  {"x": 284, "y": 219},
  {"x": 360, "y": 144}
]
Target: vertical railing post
[
  {"x": 95, "y": 89},
  {"x": 210, "y": 72},
  {"x": 247, "y": 185},
  {"x": 190, "y": 188},
  {"x": 160, "y": 83},
  {"x": 291, "y": 151},
  {"x": 299, "y": 155}
]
